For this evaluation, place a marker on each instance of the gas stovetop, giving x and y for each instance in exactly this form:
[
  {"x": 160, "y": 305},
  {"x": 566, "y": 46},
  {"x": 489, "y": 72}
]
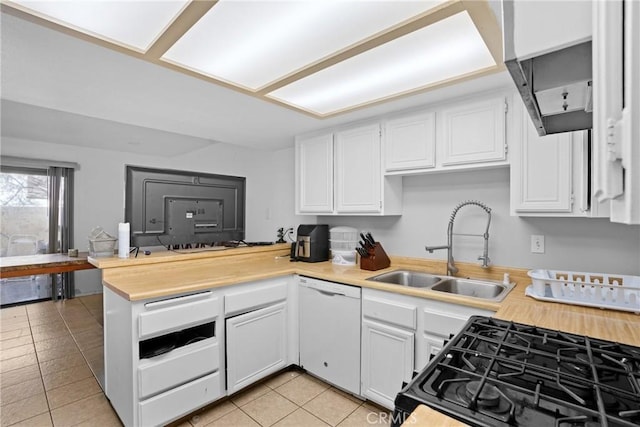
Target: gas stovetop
[{"x": 498, "y": 373}]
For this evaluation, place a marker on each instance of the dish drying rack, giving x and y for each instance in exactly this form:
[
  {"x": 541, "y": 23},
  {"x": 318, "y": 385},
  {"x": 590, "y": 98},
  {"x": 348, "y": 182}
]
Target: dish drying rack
[{"x": 614, "y": 291}]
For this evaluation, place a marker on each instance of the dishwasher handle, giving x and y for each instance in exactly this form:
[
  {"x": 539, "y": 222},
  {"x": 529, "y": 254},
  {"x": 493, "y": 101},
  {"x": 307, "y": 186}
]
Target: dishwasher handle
[{"x": 330, "y": 288}]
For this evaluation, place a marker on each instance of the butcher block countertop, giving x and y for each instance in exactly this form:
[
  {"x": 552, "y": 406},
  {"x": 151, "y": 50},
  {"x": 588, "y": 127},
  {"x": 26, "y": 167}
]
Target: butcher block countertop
[{"x": 169, "y": 273}]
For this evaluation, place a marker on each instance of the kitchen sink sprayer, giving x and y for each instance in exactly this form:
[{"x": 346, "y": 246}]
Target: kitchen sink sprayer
[{"x": 451, "y": 268}]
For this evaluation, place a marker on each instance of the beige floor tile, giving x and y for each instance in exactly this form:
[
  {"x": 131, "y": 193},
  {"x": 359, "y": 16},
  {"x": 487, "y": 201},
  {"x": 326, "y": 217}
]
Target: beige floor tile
[
  {"x": 18, "y": 362},
  {"x": 41, "y": 306},
  {"x": 211, "y": 413},
  {"x": 11, "y": 319},
  {"x": 57, "y": 352},
  {"x": 62, "y": 341},
  {"x": 62, "y": 332},
  {"x": 235, "y": 418},
  {"x": 89, "y": 341},
  {"x": 11, "y": 326},
  {"x": 22, "y": 350},
  {"x": 23, "y": 409},
  {"x": 21, "y": 390},
  {"x": 282, "y": 378},
  {"x": 69, "y": 393},
  {"x": 252, "y": 393},
  {"x": 46, "y": 319},
  {"x": 19, "y": 310},
  {"x": 331, "y": 407},
  {"x": 66, "y": 376},
  {"x": 107, "y": 418},
  {"x": 269, "y": 408},
  {"x": 15, "y": 333},
  {"x": 55, "y": 365},
  {"x": 366, "y": 416},
  {"x": 302, "y": 389},
  {"x": 88, "y": 409},
  {"x": 19, "y": 375},
  {"x": 300, "y": 418},
  {"x": 42, "y": 420},
  {"x": 15, "y": 342}
]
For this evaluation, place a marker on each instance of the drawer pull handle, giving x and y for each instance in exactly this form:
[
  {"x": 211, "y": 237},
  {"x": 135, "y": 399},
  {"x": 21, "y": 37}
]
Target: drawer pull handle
[{"x": 177, "y": 300}]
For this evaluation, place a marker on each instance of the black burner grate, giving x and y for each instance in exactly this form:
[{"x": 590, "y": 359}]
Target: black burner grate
[{"x": 504, "y": 373}]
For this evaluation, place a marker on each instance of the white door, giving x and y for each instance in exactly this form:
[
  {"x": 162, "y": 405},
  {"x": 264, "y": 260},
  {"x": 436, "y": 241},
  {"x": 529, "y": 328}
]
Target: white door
[
  {"x": 314, "y": 175},
  {"x": 473, "y": 132},
  {"x": 541, "y": 171},
  {"x": 410, "y": 142},
  {"x": 387, "y": 361},
  {"x": 358, "y": 170},
  {"x": 256, "y": 345}
]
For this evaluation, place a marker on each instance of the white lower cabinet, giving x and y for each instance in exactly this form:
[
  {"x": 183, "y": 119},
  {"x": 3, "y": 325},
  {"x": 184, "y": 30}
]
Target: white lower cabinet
[
  {"x": 389, "y": 324},
  {"x": 163, "y": 357},
  {"x": 256, "y": 345},
  {"x": 257, "y": 326},
  {"x": 387, "y": 361}
]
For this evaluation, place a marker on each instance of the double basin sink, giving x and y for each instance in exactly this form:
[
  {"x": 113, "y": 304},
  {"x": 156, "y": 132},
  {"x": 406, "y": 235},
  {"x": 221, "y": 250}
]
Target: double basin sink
[{"x": 483, "y": 289}]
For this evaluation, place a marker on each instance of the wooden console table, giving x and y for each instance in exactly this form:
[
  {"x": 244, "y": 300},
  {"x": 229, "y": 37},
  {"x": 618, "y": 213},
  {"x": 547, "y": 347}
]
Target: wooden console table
[{"x": 28, "y": 265}]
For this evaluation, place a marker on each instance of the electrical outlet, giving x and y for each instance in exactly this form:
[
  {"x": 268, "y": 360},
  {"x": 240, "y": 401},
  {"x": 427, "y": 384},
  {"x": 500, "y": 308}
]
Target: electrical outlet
[{"x": 537, "y": 244}]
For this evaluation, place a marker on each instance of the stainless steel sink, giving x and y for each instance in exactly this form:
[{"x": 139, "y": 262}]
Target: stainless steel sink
[
  {"x": 414, "y": 279},
  {"x": 473, "y": 288},
  {"x": 483, "y": 289}
]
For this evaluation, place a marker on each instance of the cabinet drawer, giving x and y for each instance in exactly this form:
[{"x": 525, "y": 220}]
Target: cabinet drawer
[
  {"x": 258, "y": 296},
  {"x": 180, "y": 401},
  {"x": 443, "y": 324},
  {"x": 389, "y": 312},
  {"x": 178, "y": 367},
  {"x": 173, "y": 314}
]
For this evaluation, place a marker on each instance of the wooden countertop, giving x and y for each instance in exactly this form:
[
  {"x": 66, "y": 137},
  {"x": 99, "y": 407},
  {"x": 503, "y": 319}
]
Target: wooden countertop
[
  {"x": 27, "y": 265},
  {"x": 170, "y": 273}
]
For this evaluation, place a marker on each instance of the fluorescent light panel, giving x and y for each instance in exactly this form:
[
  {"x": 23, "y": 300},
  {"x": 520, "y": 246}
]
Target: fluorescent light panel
[
  {"x": 447, "y": 49},
  {"x": 134, "y": 24},
  {"x": 253, "y": 43}
]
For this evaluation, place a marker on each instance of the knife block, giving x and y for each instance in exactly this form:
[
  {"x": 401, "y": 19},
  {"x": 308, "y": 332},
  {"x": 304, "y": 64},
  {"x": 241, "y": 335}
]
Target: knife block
[{"x": 377, "y": 259}]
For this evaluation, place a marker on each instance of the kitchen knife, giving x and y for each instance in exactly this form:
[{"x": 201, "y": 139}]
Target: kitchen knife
[
  {"x": 365, "y": 245},
  {"x": 370, "y": 239},
  {"x": 364, "y": 239},
  {"x": 363, "y": 252}
]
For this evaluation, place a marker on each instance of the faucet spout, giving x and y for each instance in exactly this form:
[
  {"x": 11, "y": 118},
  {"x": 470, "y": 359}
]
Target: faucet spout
[{"x": 451, "y": 268}]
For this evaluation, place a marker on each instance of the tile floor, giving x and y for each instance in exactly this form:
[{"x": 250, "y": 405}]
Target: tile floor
[{"x": 51, "y": 362}]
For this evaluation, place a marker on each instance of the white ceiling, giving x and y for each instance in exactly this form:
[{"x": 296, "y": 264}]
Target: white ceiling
[{"x": 49, "y": 77}]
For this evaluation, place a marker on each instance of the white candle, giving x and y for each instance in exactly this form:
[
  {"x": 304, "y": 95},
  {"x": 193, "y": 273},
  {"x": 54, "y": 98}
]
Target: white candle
[{"x": 123, "y": 240}]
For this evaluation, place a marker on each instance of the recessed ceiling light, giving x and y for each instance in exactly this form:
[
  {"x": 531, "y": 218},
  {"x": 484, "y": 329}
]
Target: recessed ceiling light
[
  {"x": 253, "y": 43},
  {"x": 133, "y": 23},
  {"x": 442, "y": 51}
]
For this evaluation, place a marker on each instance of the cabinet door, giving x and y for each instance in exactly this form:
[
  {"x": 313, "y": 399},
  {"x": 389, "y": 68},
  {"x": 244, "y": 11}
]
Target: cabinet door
[
  {"x": 473, "y": 132},
  {"x": 358, "y": 170},
  {"x": 541, "y": 171},
  {"x": 314, "y": 175},
  {"x": 387, "y": 361},
  {"x": 256, "y": 345},
  {"x": 410, "y": 142}
]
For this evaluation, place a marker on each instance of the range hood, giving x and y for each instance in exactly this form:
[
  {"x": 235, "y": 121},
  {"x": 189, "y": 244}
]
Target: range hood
[{"x": 547, "y": 50}]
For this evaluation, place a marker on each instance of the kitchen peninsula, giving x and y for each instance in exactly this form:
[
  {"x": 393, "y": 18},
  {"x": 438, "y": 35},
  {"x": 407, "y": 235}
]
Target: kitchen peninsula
[{"x": 262, "y": 272}]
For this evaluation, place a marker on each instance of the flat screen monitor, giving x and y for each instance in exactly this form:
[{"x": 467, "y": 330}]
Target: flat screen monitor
[{"x": 179, "y": 208}]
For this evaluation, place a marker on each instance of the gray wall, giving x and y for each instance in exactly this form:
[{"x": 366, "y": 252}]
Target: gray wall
[{"x": 576, "y": 244}]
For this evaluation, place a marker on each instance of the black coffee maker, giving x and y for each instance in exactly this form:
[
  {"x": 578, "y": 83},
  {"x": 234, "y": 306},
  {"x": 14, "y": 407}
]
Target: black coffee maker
[{"x": 312, "y": 244}]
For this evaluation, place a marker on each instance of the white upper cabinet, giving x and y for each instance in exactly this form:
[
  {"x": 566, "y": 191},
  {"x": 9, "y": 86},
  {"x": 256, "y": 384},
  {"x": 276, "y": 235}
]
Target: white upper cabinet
[
  {"x": 550, "y": 175},
  {"x": 473, "y": 132},
  {"x": 314, "y": 174},
  {"x": 341, "y": 174},
  {"x": 469, "y": 133},
  {"x": 358, "y": 171},
  {"x": 410, "y": 142}
]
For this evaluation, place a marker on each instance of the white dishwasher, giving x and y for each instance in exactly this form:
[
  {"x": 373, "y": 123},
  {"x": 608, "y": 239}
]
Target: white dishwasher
[{"x": 330, "y": 332}]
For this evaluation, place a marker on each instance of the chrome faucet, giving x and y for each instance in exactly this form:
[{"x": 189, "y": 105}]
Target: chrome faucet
[{"x": 451, "y": 268}]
